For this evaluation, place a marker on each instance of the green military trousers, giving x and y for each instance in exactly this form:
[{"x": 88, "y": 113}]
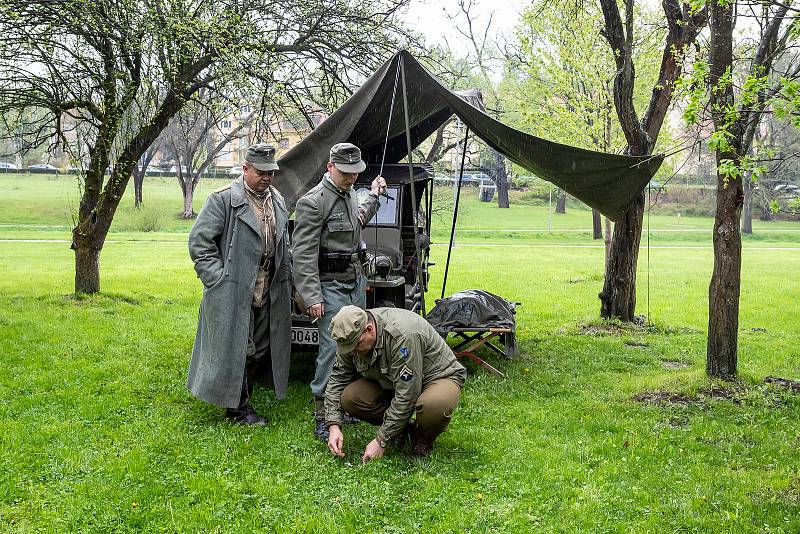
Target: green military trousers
[{"x": 368, "y": 401}]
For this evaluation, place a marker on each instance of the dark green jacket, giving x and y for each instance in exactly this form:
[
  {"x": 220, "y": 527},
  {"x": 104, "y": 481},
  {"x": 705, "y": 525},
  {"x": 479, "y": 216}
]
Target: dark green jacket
[
  {"x": 329, "y": 219},
  {"x": 225, "y": 244},
  {"x": 408, "y": 354}
]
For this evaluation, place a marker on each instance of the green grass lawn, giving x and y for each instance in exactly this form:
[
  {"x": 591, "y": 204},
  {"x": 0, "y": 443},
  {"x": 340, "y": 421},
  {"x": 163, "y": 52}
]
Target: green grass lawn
[{"x": 98, "y": 432}]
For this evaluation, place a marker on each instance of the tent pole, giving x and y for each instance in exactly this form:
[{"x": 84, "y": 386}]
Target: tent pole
[
  {"x": 455, "y": 211},
  {"x": 419, "y": 274}
]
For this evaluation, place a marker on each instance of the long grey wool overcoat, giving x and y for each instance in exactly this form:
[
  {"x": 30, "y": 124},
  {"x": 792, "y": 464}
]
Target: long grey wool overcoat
[{"x": 225, "y": 244}]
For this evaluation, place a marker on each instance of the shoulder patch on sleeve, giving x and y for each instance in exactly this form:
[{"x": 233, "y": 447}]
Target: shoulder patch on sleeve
[
  {"x": 405, "y": 353},
  {"x": 406, "y": 374}
]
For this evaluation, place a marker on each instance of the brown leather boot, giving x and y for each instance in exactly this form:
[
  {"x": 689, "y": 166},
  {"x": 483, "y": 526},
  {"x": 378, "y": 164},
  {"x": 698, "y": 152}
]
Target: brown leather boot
[
  {"x": 406, "y": 436},
  {"x": 421, "y": 444}
]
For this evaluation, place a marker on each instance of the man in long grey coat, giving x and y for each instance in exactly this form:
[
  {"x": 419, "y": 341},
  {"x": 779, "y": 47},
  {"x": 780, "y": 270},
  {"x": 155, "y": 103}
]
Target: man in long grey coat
[{"x": 239, "y": 245}]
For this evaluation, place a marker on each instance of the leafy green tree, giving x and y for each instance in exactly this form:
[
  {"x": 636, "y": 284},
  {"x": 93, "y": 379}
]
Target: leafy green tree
[
  {"x": 618, "y": 297},
  {"x": 737, "y": 105},
  {"x": 563, "y": 85},
  {"x": 117, "y": 71},
  {"x": 558, "y": 81}
]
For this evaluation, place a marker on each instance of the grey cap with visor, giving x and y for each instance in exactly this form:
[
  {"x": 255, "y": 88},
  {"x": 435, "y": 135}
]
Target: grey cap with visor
[
  {"x": 347, "y": 158},
  {"x": 261, "y": 156}
]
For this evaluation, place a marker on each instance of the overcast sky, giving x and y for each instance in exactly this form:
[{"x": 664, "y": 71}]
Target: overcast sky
[{"x": 428, "y": 17}]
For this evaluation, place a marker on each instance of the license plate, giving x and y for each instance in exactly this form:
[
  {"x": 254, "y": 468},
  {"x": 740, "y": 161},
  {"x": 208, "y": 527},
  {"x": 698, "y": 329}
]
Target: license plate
[{"x": 305, "y": 336}]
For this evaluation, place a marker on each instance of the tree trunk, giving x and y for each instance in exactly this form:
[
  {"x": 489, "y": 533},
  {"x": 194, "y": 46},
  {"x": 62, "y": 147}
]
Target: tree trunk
[
  {"x": 87, "y": 262},
  {"x": 618, "y": 298},
  {"x": 188, "y": 196},
  {"x": 607, "y": 241},
  {"x": 138, "y": 181},
  {"x": 723, "y": 291},
  {"x": 747, "y": 209},
  {"x": 502, "y": 180},
  {"x": 561, "y": 202},
  {"x": 597, "y": 225}
]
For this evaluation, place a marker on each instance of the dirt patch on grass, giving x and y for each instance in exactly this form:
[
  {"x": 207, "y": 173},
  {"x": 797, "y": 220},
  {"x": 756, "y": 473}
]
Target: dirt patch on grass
[
  {"x": 784, "y": 383},
  {"x": 674, "y": 365},
  {"x": 716, "y": 392},
  {"x": 671, "y": 398},
  {"x": 663, "y": 397}
]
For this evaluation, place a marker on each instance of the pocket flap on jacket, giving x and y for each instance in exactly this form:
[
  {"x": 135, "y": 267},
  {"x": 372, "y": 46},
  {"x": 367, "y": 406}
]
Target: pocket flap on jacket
[{"x": 340, "y": 226}]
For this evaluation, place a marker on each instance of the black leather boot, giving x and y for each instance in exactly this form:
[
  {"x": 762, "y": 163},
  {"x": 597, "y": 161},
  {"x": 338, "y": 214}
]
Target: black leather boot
[
  {"x": 245, "y": 416},
  {"x": 320, "y": 430}
]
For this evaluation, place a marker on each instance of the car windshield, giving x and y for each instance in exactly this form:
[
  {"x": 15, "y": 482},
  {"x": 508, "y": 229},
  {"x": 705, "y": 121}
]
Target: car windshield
[{"x": 387, "y": 212}]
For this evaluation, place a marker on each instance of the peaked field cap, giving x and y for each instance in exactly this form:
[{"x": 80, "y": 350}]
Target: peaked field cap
[
  {"x": 347, "y": 158},
  {"x": 347, "y": 327},
  {"x": 262, "y": 157}
]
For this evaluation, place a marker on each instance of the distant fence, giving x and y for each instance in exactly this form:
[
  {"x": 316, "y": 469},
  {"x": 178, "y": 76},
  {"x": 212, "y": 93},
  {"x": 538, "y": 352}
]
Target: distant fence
[{"x": 214, "y": 174}]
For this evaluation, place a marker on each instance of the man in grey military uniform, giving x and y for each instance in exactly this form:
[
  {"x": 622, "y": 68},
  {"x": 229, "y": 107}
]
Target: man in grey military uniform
[
  {"x": 391, "y": 365},
  {"x": 240, "y": 248},
  {"x": 326, "y": 246}
]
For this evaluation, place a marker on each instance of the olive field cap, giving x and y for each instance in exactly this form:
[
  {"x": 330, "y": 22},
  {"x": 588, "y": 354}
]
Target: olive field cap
[
  {"x": 347, "y": 327},
  {"x": 262, "y": 157},
  {"x": 347, "y": 158}
]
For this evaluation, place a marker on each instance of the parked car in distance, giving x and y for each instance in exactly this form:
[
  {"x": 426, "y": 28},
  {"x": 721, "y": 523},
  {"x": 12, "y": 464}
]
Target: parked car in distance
[
  {"x": 7, "y": 167},
  {"x": 467, "y": 179},
  {"x": 42, "y": 168}
]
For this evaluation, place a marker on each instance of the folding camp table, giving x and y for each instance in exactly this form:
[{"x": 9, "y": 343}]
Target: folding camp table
[{"x": 476, "y": 337}]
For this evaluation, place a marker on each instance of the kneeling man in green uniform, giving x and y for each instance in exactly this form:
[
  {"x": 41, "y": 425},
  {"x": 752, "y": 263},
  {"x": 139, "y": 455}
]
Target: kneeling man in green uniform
[{"x": 391, "y": 365}]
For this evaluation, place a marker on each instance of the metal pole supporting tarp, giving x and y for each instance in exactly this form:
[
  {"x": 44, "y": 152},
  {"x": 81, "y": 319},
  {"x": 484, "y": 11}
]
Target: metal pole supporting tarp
[
  {"x": 455, "y": 210},
  {"x": 418, "y": 268}
]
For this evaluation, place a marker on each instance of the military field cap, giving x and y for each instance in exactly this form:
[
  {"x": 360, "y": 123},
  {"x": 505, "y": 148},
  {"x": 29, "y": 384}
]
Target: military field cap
[
  {"x": 262, "y": 157},
  {"x": 347, "y": 327},
  {"x": 347, "y": 158}
]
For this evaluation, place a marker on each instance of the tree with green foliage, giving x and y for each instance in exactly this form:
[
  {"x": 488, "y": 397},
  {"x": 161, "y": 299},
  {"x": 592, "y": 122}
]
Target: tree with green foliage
[
  {"x": 618, "y": 297},
  {"x": 119, "y": 70},
  {"x": 562, "y": 85},
  {"x": 742, "y": 89},
  {"x": 557, "y": 82}
]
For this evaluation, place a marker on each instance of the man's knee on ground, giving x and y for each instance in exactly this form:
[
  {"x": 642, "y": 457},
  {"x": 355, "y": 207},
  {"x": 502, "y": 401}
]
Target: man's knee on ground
[{"x": 435, "y": 407}]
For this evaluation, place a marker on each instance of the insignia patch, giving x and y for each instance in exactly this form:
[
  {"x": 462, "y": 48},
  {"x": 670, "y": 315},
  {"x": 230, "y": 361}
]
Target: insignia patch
[
  {"x": 405, "y": 353},
  {"x": 406, "y": 374}
]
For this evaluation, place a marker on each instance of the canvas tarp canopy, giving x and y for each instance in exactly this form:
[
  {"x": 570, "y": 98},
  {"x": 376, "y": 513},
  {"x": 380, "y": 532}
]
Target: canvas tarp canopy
[{"x": 607, "y": 182}]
